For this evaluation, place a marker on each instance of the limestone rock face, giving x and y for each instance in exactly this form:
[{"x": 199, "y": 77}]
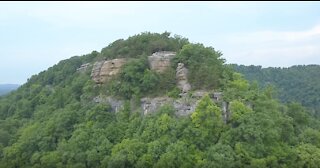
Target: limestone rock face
[
  {"x": 83, "y": 67},
  {"x": 150, "y": 105},
  {"x": 115, "y": 104},
  {"x": 95, "y": 73},
  {"x": 183, "y": 106},
  {"x": 182, "y": 78},
  {"x": 160, "y": 61},
  {"x": 104, "y": 70}
]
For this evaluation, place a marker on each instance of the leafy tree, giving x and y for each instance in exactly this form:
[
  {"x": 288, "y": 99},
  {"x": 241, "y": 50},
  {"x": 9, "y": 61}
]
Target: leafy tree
[
  {"x": 53, "y": 120},
  {"x": 126, "y": 153},
  {"x": 204, "y": 64},
  {"x": 299, "y": 83},
  {"x": 178, "y": 154},
  {"x": 220, "y": 155},
  {"x": 207, "y": 118}
]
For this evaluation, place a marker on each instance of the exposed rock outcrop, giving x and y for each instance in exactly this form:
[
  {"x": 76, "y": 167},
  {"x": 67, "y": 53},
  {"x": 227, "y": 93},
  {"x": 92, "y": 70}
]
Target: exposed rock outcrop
[
  {"x": 150, "y": 105},
  {"x": 83, "y": 67},
  {"x": 182, "y": 78},
  {"x": 160, "y": 61},
  {"x": 95, "y": 73},
  {"x": 217, "y": 96},
  {"x": 104, "y": 70},
  {"x": 115, "y": 104},
  {"x": 183, "y": 106}
]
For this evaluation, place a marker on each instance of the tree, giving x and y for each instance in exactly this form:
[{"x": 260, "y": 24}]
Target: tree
[
  {"x": 178, "y": 154},
  {"x": 220, "y": 155},
  {"x": 207, "y": 119},
  {"x": 126, "y": 153},
  {"x": 204, "y": 64}
]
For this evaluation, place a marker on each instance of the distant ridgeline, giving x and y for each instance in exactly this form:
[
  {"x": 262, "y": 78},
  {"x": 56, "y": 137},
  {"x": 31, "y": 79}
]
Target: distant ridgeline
[
  {"x": 294, "y": 84},
  {"x": 152, "y": 100},
  {"x": 7, "y": 88}
]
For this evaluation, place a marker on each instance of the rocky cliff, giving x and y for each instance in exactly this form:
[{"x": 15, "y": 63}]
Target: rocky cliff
[
  {"x": 183, "y": 106},
  {"x": 160, "y": 61},
  {"x": 115, "y": 104},
  {"x": 84, "y": 67},
  {"x": 182, "y": 78},
  {"x": 104, "y": 70}
]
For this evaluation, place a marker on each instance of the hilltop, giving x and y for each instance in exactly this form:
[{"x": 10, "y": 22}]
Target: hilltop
[{"x": 152, "y": 100}]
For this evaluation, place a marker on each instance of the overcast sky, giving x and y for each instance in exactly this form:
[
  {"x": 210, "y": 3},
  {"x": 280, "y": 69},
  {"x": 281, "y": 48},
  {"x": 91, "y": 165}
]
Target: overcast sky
[{"x": 36, "y": 35}]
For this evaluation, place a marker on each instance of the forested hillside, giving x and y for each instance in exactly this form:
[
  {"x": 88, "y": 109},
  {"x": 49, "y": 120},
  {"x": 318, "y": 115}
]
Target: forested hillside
[
  {"x": 53, "y": 120},
  {"x": 299, "y": 83}
]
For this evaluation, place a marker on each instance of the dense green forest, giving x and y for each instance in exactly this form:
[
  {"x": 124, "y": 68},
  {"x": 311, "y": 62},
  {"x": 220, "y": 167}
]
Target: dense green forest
[
  {"x": 300, "y": 83},
  {"x": 51, "y": 121}
]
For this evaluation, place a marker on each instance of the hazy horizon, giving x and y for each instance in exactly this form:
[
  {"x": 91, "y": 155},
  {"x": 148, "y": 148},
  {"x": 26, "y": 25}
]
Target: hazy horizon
[{"x": 37, "y": 35}]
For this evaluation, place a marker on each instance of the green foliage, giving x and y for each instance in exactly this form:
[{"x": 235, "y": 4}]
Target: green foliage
[
  {"x": 308, "y": 156},
  {"x": 205, "y": 113},
  {"x": 126, "y": 153},
  {"x": 238, "y": 109},
  {"x": 52, "y": 120},
  {"x": 174, "y": 93},
  {"x": 220, "y": 155},
  {"x": 143, "y": 44},
  {"x": 135, "y": 79},
  {"x": 167, "y": 83},
  {"x": 204, "y": 64},
  {"x": 178, "y": 154},
  {"x": 294, "y": 84}
]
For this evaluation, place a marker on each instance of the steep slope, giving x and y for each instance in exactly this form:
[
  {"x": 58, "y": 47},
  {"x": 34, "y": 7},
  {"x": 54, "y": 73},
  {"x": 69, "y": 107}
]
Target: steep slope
[
  {"x": 294, "y": 84},
  {"x": 171, "y": 103}
]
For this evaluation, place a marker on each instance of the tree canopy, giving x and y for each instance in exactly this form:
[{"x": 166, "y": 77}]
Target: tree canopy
[{"x": 52, "y": 120}]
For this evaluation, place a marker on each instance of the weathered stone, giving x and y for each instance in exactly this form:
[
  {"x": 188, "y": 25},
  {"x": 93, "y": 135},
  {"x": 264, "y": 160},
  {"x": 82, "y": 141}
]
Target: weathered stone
[
  {"x": 95, "y": 73},
  {"x": 199, "y": 93},
  {"x": 183, "y": 106},
  {"x": 182, "y": 78},
  {"x": 160, "y": 61},
  {"x": 83, "y": 67},
  {"x": 115, "y": 104},
  {"x": 217, "y": 96},
  {"x": 111, "y": 68},
  {"x": 104, "y": 70},
  {"x": 150, "y": 105}
]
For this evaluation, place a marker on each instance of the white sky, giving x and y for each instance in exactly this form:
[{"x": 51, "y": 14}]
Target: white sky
[{"x": 36, "y": 35}]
